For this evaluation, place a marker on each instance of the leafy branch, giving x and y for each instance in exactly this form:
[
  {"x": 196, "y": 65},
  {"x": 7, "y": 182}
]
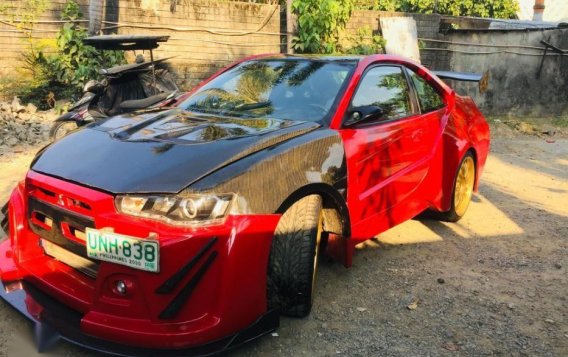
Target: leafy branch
[
  {"x": 320, "y": 23},
  {"x": 500, "y": 9}
]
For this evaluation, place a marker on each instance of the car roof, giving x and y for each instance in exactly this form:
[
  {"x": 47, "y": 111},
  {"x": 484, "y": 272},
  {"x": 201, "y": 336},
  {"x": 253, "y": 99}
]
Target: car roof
[
  {"x": 372, "y": 58},
  {"x": 318, "y": 57}
]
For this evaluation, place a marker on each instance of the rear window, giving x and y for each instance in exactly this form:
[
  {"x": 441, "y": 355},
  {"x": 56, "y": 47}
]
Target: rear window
[{"x": 428, "y": 97}]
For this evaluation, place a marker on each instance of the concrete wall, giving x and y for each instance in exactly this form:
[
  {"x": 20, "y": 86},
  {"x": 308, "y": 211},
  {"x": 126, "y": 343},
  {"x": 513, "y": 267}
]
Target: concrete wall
[
  {"x": 13, "y": 41},
  {"x": 513, "y": 84},
  {"x": 205, "y": 35}
]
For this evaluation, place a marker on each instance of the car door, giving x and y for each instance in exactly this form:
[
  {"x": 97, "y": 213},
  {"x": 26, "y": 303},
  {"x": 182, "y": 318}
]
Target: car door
[{"x": 387, "y": 158}]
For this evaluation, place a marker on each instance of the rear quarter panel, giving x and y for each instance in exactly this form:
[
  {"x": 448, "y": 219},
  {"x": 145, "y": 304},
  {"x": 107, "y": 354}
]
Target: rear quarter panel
[
  {"x": 479, "y": 133},
  {"x": 466, "y": 130}
]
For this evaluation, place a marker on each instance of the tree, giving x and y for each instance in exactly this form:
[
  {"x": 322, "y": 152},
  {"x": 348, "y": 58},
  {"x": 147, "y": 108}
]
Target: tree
[
  {"x": 320, "y": 23},
  {"x": 501, "y": 9},
  {"x": 95, "y": 16}
]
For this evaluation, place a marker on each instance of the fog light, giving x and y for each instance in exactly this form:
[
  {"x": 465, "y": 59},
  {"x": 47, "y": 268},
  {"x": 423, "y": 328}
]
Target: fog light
[{"x": 121, "y": 287}]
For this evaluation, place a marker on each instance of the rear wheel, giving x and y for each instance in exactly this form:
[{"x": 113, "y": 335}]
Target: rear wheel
[
  {"x": 60, "y": 128},
  {"x": 293, "y": 258},
  {"x": 463, "y": 190}
]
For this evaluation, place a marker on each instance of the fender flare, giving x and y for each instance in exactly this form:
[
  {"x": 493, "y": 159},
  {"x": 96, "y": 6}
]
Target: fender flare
[
  {"x": 328, "y": 193},
  {"x": 338, "y": 247}
]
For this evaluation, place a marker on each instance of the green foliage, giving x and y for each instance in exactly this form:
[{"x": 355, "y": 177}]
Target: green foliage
[
  {"x": 500, "y": 9},
  {"x": 22, "y": 15},
  {"x": 321, "y": 29},
  {"x": 40, "y": 93},
  {"x": 380, "y": 5},
  {"x": 75, "y": 63},
  {"x": 320, "y": 23},
  {"x": 59, "y": 70},
  {"x": 505, "y": 9},
  {"x": 363, "y": 43},
  {"x": 561, "y": 122}
]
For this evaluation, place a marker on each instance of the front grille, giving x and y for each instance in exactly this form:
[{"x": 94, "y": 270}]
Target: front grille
[
  {"x": 63, "y": 234},
  {"x": 85, "y": 266}
]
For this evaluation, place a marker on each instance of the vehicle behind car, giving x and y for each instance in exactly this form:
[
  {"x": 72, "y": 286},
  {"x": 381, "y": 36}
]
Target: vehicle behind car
[{"x": 125, "y": 88}]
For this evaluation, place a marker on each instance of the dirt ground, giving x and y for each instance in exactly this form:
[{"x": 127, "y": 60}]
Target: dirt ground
[{"x": 494, "y": 284}]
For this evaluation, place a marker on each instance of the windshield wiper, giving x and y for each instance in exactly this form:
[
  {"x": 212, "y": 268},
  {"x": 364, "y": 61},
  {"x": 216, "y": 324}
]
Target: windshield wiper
[{"x": 251, "y": 106}]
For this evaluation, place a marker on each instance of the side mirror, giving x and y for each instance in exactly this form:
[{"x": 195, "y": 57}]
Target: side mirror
[{"x": 363, "y": 113}]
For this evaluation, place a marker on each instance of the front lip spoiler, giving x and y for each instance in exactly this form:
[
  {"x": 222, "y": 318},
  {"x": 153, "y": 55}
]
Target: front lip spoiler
[{"x": 58, "y": 322}]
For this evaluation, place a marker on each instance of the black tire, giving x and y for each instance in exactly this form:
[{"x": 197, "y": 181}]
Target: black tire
[
  {"x": 292, "y": 264},
  {"x": 452, "y": 215},
  {"x": 60, "y": 128}
]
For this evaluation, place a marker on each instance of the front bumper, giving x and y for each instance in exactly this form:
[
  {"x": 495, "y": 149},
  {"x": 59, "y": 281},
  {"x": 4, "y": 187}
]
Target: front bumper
[
  {"x": 54, "y": 321},
  {"x": 210, "y": 294}
]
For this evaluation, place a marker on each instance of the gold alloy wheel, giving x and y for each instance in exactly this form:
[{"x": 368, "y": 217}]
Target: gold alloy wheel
[{"x": 464, "y": 186}]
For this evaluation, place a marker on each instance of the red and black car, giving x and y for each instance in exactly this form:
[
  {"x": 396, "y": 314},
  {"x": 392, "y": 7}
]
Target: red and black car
[{"x": 190, "y": 229}]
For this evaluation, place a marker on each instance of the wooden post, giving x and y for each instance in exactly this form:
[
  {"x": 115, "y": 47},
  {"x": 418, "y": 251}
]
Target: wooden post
[
  {"x": 96, "y": 8},
  {"x": 290, "y": 26}
]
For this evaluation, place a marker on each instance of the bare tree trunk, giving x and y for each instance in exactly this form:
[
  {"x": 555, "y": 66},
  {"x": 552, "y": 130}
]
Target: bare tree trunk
[{"x": 96, "y": 8}]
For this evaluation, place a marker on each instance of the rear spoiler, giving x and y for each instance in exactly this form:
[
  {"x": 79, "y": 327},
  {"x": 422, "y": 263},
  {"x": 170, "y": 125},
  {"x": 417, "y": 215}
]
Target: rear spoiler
[
  {"x": 459, "y": 76},
  {"x": 483, "y": 79}
]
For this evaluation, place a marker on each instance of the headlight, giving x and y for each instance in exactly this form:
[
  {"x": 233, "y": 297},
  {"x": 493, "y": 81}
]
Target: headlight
[{"x": 187, "y": 210}]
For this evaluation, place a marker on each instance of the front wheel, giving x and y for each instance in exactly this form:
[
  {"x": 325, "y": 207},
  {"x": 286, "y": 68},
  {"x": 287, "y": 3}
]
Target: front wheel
[
  {"x": 293, "y": 258},
  {"x": 60, "y": 128}
]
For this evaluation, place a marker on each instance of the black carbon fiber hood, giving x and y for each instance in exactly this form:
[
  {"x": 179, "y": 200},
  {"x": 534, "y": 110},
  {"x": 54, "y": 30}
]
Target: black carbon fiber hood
[{"x": 159, "y": 152}]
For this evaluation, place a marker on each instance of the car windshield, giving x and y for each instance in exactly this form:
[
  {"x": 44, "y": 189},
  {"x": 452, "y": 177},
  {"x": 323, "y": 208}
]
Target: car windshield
[{"x": 294, "y": 89}]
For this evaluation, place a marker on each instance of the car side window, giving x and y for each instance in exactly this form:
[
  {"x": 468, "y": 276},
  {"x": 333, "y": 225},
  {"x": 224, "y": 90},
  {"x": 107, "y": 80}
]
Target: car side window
[
  {"x": 385, "y": 87},
  {"x": 428, "y": 97}
]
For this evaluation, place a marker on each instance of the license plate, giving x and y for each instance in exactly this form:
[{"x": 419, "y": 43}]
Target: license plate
[{"x": 133, "y": 252}]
